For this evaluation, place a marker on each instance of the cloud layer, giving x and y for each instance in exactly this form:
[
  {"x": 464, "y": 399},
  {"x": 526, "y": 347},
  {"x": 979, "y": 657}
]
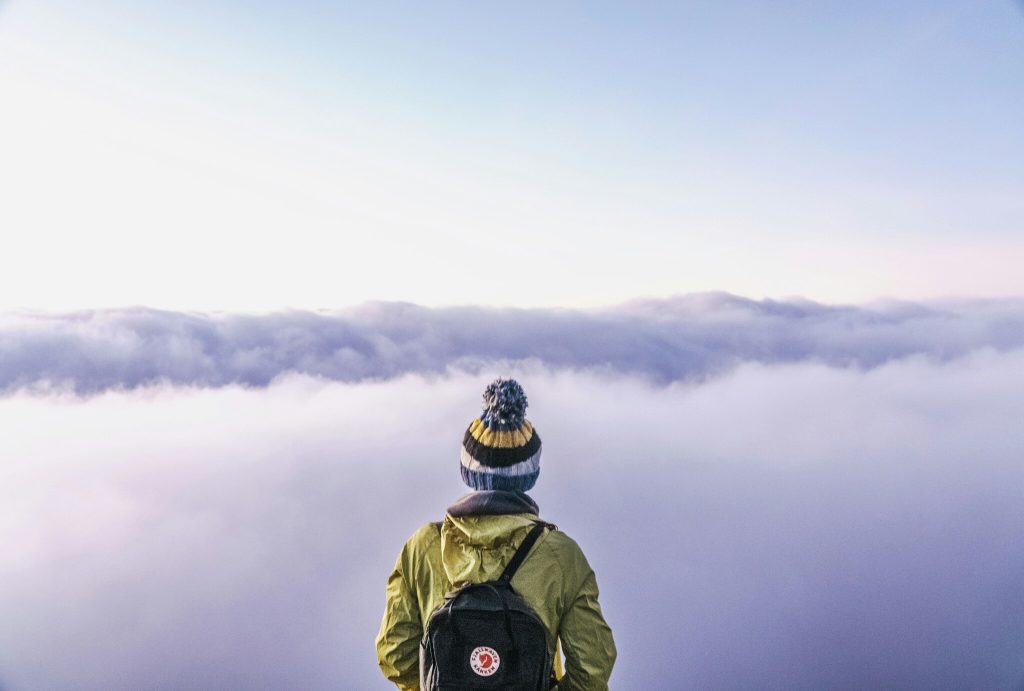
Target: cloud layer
[
  {"x": 783, "y": 526},
  {"x": 689, "y": 338}
]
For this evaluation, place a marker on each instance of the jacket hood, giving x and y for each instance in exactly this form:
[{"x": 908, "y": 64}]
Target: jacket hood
[
  {"x": 480, "y": 533},
  {"x": 493, "y": 503}
]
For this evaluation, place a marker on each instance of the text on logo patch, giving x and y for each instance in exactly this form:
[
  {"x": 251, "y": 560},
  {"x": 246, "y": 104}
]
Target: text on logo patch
[{"x": 484, "y": 661}]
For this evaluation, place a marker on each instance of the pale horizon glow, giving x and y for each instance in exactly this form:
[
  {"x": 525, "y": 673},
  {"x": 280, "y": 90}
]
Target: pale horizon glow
[{"x": 254, "y": 157}]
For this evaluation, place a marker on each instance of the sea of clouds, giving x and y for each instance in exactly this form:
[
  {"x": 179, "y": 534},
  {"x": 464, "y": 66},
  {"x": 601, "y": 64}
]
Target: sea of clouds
[{"x": 780, "y": 495}]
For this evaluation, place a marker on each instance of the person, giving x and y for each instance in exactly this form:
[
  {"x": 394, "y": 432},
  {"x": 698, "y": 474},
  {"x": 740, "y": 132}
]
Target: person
[{"x": 500, "y": 461}]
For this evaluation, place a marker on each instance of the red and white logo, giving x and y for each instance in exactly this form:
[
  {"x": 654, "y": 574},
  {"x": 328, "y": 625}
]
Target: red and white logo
[{"x": 484, "y": 661}]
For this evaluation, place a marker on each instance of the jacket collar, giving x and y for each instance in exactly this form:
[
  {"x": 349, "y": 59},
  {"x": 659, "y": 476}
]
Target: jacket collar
[{"x": 493, "y": 502}]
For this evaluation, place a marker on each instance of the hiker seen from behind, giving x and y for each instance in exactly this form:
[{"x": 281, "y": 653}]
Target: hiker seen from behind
[{"x": 492, "y": 597}]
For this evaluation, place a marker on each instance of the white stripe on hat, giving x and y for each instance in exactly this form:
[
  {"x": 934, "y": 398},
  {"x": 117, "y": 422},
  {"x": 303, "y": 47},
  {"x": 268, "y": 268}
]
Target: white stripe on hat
[{"x": 530, "y": 465}]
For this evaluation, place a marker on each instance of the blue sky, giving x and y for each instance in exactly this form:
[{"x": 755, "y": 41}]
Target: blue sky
[{"x": 251, "y": 156}]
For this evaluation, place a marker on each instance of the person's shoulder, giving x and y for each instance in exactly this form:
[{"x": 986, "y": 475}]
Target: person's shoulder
[
  {"x": 560, "y": 542},
  {"x": 425, "y": 539},
  {"x": 564, "y": 551},
  {"x": 425, "y": 535},
  {"x": 420, "y": 544}
]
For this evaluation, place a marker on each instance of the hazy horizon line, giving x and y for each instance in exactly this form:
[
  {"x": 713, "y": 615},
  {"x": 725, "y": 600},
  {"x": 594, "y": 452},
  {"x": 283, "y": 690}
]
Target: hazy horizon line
[{"x": 884, "y": 301}]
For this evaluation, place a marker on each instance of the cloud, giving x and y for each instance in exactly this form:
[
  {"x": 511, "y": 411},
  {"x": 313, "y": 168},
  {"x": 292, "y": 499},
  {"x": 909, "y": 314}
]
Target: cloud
[
  {"x": 787, "y": 525},
  {"x": 689, "y": 338}
]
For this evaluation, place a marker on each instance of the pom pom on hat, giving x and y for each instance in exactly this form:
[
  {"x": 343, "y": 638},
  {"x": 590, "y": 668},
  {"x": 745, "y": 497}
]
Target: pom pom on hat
[
  {"x": 501, "y": 449},
  {"x": 504, "y": 404}
]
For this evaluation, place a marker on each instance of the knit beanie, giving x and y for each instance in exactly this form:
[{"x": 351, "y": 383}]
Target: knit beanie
[{"x": 501, "y": 450}]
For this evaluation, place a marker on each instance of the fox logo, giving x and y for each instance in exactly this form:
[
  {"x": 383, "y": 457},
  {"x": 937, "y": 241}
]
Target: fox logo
[{"x": 484, "y": 661}]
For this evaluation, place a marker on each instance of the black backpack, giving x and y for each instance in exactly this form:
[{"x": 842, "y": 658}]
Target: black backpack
[{"x": 485, "y": 636}]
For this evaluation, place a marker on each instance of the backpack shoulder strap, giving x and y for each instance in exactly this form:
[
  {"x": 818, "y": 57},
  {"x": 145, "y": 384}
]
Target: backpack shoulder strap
[{"x": 520, "y": 556}]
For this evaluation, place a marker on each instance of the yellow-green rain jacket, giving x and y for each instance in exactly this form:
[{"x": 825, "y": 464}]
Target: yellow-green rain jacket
[{"x": 555, "y": 580}]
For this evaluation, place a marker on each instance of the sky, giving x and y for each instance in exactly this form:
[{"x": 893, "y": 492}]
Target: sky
[{"x": 258, "y": 156}]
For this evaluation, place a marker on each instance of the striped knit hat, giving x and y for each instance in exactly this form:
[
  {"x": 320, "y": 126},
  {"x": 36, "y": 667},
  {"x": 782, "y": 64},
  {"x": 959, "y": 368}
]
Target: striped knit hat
[{"x": 501, "y": 450}]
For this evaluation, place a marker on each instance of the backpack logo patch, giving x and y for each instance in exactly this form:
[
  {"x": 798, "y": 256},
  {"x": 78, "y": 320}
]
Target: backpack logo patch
[{"x": 484, "y": 661}]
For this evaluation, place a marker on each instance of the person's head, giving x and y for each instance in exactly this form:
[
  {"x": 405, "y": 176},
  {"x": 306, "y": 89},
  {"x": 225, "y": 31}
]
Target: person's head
[{"x": 501, "y": 449}]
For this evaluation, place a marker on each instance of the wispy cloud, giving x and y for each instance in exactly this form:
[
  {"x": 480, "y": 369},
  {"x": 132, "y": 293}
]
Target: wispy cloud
[{"x": 689, "y": 338}]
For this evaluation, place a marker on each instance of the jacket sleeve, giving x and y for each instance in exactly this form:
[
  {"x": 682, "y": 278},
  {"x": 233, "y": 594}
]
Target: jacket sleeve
[
  {"x": 586, "y": 640},
  {"x": 400, "y": 630}
]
